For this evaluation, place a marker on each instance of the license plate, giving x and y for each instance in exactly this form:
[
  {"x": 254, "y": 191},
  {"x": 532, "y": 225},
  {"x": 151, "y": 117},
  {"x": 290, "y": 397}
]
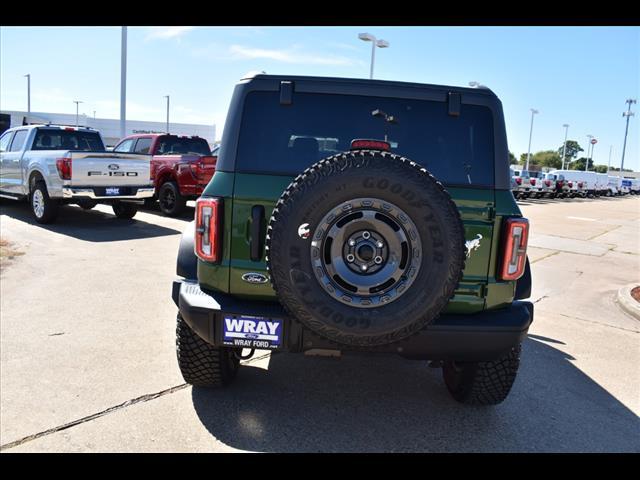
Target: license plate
[
  {"x": 252, "y": 332},
  {"x": 112, "y": 191}
]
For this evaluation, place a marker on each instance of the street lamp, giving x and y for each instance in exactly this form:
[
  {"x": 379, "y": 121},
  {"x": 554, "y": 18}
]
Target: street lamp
[
  {"x": 367, "y": 37},
  {"x": 28, "y": 75},
  {"x": 627, "y": 114},
  {"x": 77, "y": 102},
  {"x": 609, "y": 164},
  {"x": 123, "y": 82},
  {"x": 564, "y": 148},
  {"x": 167, "y": 97},
  {"x": 589, "y": 147},
  {"x": 533, "y": 112}
]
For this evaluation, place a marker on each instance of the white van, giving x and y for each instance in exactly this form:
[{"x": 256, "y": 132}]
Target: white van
[
  {"x": 580, "y": 183},
  {"x": 625, "y": 185},
  {"x": 634, "y": 189},
  {"x": 602, "y": 184},
  {"x": 614, "y": 185}
]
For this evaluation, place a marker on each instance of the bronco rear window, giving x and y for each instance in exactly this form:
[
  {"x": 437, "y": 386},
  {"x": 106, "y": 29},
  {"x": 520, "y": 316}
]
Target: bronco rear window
[{"x": 286, "y": 139}]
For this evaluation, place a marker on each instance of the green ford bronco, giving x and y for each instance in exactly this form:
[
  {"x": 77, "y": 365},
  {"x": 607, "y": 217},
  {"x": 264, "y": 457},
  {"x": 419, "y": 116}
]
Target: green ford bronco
[{"x": 358, "y": 216}]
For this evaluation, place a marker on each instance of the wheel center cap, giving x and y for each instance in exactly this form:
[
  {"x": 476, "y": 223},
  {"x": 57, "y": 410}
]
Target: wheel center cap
[{"x": 365, "y": 252}]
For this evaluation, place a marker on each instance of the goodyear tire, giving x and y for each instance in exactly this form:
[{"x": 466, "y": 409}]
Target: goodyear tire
[
  {"x": 365, "y": 248},
  {"x": 482, "y": 383},
  {"x": 202, "y": 364}
]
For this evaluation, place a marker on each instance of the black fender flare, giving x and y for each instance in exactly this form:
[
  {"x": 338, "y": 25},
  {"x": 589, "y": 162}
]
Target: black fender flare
[
  {"x": 187, "y": 264},
  {"x": 523, "y": 284}
]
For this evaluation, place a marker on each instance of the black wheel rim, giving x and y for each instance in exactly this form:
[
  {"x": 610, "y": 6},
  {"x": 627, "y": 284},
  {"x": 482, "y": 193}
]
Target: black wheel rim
[
  {"x": 168, "y": 199},
  {"x": 365, "y": 252}
]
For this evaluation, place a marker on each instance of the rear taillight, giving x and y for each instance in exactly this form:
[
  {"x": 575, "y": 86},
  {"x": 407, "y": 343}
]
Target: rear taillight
[
  {"x": 579, "y": 184},
  {"x": 560, "y": 183},
  {"x": 514, "y": 246},
  {"x": 518, "y": 180},
  {"x": 547, "y": 183},
  {"x": 64, "y": 168},
  {"x": 570, "y": 184},
  {"x": 208, "y": 229},
  {"x": 532, "y": 181}
]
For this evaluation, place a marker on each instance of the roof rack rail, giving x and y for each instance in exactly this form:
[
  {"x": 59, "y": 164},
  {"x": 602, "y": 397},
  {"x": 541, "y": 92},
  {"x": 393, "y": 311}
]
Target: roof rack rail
[{"x": 49, "y": 124}]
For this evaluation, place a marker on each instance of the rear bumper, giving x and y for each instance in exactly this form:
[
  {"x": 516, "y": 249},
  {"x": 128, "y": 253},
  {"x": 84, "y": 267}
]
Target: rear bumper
[
  {"x": 476, "y": 337},
  {"x": 90, "y": 192}
]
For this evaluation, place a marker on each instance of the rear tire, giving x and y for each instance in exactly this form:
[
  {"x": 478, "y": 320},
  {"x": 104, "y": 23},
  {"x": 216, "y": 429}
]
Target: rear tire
[
  {"x": 150, "y": 203},
  {"x": 202, "y": 364},
  {"x": 43, "y": 207},
  {"x": 482, "y": 383},
  {"x": 172, "y": 203},
  {"x": 87, "y": 205},
  {"x": 125, "y": 210}
]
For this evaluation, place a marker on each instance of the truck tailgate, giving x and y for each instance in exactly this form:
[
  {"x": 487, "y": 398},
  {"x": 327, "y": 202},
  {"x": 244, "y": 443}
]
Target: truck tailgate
[{"x": 107, "y": 169}]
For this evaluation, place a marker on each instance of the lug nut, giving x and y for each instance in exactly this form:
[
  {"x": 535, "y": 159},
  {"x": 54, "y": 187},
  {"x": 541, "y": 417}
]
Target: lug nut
[
  {"x": 350, "y": 258},
  {"x": 352, "y": 242},
  {"x": 378, "y": 260},
  {"x": 366, "y": 235}
]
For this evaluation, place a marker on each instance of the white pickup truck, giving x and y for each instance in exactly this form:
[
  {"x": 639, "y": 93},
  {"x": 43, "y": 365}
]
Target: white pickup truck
[{"x": 53, "y": 165}]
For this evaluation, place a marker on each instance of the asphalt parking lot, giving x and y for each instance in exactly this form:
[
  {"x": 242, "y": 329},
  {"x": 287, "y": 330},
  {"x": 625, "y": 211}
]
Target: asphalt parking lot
[{"x": 87, "y": 359}]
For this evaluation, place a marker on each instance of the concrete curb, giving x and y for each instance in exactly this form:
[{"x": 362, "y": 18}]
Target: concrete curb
[{"x": 626, "y": 301}]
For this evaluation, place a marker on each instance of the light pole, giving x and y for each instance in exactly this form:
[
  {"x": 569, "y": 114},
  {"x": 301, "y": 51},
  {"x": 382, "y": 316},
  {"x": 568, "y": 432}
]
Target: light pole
[
  {"x": 533, "y": 112},
  {"x": 94, "y": 114},
  {"x": 564, "y": 148},
  {"x": 28, "y": 75},
  {"x": 167, "y": 97},
  {"x": 589, "y": 147},
  {"x": 123, "y": 83},
  {"x": 609, "y": 164},
  {"x": 627, "y": 114},
  {"x": 367, "y": 37},
  {"x": 77, "y": 102}
]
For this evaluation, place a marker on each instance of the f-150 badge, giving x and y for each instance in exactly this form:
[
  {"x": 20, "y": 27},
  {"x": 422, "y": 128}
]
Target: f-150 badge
[{"x": 473, "y": 244}]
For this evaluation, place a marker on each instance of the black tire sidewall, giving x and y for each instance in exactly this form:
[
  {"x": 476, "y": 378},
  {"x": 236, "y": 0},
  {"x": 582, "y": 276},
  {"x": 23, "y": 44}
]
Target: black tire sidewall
[
  {"x": 125, "y": 210},
  {"x": 366, "y": 175},
  {"x": 179, "y": 204}
]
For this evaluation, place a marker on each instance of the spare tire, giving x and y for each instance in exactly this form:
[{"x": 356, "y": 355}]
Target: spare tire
[{"x": 365, "y": 248}]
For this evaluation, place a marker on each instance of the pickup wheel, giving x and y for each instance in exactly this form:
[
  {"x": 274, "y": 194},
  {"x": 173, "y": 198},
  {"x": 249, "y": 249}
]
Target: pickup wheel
[
  {"x": 202, "y": 364},
  {"x": 482, "y": 383},
  {"x": 88, "y": 205},
  {"x": 44, "y": 208},
  {"x": 125, "y": 210},
  {"x": 171, "y": 202}
]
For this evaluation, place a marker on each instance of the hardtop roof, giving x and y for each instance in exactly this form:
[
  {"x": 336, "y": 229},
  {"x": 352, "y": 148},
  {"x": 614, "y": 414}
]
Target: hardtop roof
[{"x": 365, "y": 82}]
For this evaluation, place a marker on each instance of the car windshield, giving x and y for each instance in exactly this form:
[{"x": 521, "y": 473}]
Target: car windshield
[
  {"x": 57, "y": 139},
  {"x": 172, "y": 145},
  {"x": 286, "y": 139}
]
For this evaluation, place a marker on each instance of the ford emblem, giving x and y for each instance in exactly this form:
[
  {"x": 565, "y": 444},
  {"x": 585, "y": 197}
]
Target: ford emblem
[
  {"x": 114, "y": 166},
  {"x": 253, "y": 277}
]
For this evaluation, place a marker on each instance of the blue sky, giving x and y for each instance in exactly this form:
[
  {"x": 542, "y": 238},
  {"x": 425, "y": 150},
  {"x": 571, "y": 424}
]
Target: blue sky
[{"x": 576, "y": 75}]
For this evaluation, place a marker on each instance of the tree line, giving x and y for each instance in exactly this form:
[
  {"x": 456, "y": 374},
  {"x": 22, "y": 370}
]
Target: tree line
[{"x": 553, "y": 159}]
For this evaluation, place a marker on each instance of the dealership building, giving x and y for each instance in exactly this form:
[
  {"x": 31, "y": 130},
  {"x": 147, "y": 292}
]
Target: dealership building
[{"x": 109, "y": 128}]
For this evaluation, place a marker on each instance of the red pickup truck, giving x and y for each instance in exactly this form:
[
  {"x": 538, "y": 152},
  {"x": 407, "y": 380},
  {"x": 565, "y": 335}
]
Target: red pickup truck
[{"x": 181, "y": 166}]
